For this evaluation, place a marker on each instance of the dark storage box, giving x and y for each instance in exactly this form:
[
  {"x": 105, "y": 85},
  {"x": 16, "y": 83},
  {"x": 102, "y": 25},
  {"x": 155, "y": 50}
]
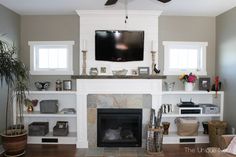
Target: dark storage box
[
  {"x": 61, "y": 129},
  {"x": 38, "y": 128},
  {"x": 49, "y": 106}
]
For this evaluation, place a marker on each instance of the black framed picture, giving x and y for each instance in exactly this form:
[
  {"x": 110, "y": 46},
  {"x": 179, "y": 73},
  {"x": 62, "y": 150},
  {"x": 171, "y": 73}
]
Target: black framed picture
[
  {"x": 204, "y": 83},
  {"x": 143, "y": 70}
]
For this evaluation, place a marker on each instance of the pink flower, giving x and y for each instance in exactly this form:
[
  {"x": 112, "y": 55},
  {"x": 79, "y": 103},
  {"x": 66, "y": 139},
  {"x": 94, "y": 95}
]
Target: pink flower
[{"x": 192, "y": 78}]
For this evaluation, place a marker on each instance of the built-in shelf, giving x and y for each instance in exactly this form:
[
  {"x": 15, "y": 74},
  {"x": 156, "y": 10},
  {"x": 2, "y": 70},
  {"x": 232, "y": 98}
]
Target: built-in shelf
[
  {"x": 190, "y": 93},
  {"x": 173, "y": 138},
  {"x": 52, "y": 92},
  {"x": 119, "y": 77},
  {"x": 70, "y": 139},
  {"x": 38, "y": 114},
  {"x": 189, "y": 115}
]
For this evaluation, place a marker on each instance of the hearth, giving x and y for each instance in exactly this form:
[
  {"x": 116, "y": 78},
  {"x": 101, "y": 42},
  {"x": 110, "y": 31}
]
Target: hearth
[{"x": 119, "y": 127}]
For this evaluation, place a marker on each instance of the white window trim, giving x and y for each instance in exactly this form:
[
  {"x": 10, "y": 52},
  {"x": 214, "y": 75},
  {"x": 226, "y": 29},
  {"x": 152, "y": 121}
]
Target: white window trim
[
  {"x": 68, "y": 71},
  {"x": 168, "y": 71}
]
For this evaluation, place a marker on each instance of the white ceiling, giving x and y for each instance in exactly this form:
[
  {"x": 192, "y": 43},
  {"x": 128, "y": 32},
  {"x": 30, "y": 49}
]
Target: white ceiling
[{"x": 175, "y": 7}]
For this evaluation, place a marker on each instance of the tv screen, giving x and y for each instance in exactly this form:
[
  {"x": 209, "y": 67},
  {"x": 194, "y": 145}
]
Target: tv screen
[{"x": 119, "y": 46}]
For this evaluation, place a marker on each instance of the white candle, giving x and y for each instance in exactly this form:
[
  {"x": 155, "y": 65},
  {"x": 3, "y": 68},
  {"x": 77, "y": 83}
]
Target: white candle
[
  {"x": 154, "y": 45},
  {"x": 84, "y": 47}
]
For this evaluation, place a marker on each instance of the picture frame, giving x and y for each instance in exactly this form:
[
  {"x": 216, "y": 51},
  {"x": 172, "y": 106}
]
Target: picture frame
[
  {"x": 204, "y": 83},
  {"x": 67, "y": 85},
  {"x": 103, "y": 70},
  {"x": 143, "y": 70}
]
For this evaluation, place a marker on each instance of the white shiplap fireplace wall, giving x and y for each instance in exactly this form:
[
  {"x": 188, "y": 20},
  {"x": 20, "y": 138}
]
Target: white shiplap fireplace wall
[{"x": 91, "y": 20}]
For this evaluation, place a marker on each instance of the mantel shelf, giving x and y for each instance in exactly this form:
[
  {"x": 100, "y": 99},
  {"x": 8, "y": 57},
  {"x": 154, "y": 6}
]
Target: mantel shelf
[{"x": 118, "y": 77}]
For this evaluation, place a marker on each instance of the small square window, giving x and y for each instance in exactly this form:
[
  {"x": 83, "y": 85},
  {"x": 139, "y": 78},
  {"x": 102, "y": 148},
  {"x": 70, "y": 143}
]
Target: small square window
[
  {"x": 184, "y": 57},
  {"x": 51, "y": 57}
]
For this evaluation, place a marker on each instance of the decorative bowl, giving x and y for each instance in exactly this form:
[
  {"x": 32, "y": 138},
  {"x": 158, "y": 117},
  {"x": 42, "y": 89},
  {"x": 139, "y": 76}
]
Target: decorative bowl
[
  {"x": 42, "y": 85},
  {"x": 119, "y": 72}
]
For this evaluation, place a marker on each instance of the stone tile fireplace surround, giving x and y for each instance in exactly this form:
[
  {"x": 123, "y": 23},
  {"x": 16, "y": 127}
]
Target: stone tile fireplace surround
[
  {"x": 113, "y": 93},
  {"x": 116, "y": 101}
]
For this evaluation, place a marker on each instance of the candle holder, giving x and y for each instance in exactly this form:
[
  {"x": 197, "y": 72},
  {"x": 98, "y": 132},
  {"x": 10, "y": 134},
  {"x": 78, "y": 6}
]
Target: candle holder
[
  {"x": 153, "y": 62},
  {"x": 205, "y": 127},
  {"x": 166, "y": 126},
  {"x": 84, "y": 66}
]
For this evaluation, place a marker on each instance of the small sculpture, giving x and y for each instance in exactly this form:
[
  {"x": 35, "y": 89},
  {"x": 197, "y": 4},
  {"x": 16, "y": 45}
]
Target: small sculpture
[
  {"x": 58, "y": 85},
  {"x": 169, "y": 86},
  {"x": 157, "y": 71}
]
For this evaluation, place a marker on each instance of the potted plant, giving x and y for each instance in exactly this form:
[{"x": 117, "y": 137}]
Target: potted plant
[
  {"x": 14, "y": 74},
  {"x": 188, "y": 80}
]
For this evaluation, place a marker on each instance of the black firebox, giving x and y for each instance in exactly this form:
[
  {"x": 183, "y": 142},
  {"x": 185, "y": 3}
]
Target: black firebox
[{"x": 119, "y": 127}]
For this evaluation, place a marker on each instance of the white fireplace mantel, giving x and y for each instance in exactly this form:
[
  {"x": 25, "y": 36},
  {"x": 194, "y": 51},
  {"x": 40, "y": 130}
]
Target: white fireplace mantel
[{"x": 111, "y": 86}]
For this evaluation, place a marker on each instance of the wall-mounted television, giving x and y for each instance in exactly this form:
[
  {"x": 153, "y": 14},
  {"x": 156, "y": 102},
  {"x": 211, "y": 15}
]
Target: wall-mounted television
[{"x": 119, "y": 45}]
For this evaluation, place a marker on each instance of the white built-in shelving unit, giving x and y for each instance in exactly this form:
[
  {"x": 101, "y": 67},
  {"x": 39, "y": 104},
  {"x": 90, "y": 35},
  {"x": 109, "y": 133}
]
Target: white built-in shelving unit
[
  {"x": 78, "y": 100},
  {"x": 198, "y": 97},
  {"x": 66, "y": 99}
]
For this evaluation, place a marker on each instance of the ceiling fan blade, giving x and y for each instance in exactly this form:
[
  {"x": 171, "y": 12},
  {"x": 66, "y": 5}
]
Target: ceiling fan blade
[
  {"x": 164, "y": 1},
  {"x": 111, "y": 2}
]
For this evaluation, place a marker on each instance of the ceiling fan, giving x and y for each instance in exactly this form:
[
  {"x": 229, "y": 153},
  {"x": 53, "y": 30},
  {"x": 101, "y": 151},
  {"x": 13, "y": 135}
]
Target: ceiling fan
[{"x": 111, "y": 2}]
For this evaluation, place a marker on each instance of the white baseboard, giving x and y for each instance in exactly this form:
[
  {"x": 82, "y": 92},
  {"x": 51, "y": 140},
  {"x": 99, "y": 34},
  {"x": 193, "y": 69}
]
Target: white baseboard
[{"x": 1, "y": 149}]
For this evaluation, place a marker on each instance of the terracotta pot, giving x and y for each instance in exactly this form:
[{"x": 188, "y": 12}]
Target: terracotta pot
[{"x": 14, "y": 145}]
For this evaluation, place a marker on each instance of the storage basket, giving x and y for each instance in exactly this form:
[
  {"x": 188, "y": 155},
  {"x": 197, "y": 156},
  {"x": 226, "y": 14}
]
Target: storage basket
[
  {"x": 61, "y": 129},
  {"x": 187, "y": 126},
  {"x": 154, "y": 140},
  {"x": 48, "y": 106},
  {"x": 38, "y": 128},
  {"x": 216, "y": 129}
]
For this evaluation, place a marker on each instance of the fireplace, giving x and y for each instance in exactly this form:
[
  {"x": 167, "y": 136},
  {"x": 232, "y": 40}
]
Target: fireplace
[{"x": 119, "y": 127}]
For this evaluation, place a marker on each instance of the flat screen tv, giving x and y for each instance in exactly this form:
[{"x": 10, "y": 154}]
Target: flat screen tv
[{"x": 119, "y": 45}]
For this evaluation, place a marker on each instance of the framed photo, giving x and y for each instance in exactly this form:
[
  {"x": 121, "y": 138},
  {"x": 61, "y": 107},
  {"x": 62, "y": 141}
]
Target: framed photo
[
  {"x": 204, "y": 83},
  {"x": 143, "y": 70},
  {"x": 103, "y": 70},
  {"x": 67, "y": 85}
]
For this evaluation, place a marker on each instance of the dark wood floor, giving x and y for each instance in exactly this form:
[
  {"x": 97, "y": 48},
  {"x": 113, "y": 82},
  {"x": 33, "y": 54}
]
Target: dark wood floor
[{"x": 71, "y": 151}]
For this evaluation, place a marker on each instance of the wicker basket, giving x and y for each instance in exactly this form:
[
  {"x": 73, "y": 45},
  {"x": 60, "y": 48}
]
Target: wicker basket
[
  {"x": 216, "y": 129},
  {"x": 187, "y": 126},
  {"x": 154, "y": 141}
]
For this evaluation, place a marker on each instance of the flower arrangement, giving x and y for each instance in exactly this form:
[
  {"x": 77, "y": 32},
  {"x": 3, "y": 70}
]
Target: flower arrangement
[
  {"x": 191, "y": 78},
  {"x": 30, "y": 104}
]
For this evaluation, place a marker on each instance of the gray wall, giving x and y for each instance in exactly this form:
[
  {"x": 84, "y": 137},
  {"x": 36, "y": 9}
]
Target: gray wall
[
  {"x": 10, "y": 24},
  {"x": 171, "y": 28},
  {"x": 49, "y": 28},
  {"x": 180, "y": 28},
  {"x": 226, "y": 61}
]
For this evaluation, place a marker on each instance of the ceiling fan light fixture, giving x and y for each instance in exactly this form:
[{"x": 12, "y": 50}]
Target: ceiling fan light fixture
[
  {"x": 164, "y": 1},
  {"x": 110, "y": 2}
]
